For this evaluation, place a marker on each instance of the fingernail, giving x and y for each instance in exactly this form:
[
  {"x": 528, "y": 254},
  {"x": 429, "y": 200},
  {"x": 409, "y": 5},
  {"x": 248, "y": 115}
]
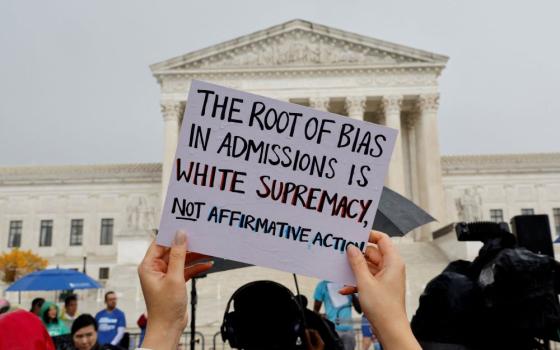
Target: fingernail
[
  {"x": 353, "y": 251},
  {"x": 180, "y": 238}
]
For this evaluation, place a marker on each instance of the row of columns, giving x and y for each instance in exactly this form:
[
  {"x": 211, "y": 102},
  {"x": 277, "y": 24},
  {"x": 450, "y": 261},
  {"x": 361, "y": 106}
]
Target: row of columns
[{"x": 424, "y": 155}]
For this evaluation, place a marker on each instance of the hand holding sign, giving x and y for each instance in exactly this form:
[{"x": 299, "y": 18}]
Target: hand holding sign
[
  {"x": 380, "y": 274},
  {"x": 274, "y": 184}
]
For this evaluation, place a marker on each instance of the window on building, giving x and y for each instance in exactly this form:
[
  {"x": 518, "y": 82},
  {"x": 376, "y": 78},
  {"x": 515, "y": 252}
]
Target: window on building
[
  {"x": 45, "y": 235},
  {"x": 497, "y": 215},
  {"x": 527, "y": 211},
  {"x": 14, "y": 236},
  {"x": 103, "y": 273},
  {"x": 76, "y": 231},
  {"x": 556, "y": 215},
  {"x": 106, "y": 232}
]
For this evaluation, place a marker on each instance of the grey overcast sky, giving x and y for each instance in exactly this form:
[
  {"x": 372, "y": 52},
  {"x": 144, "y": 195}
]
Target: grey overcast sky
[{"x": 75, "y": 86}]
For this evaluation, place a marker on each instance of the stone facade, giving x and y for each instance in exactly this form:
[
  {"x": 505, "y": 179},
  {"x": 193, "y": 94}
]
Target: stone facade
[
  {"x": 130, "y": 193},
  {"x": 126, "y": 198},
  {"x": 510, "y": 183}
]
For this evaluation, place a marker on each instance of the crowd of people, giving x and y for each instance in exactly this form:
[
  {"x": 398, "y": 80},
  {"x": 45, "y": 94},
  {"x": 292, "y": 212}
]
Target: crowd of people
[
  {"x": 163, "y": 273},
  {"x": 379, "y": 272},
  {"x": 65, "y": 329}
]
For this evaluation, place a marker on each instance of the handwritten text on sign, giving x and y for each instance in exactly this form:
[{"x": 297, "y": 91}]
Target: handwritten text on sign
[{"x": 274, "y": 184}]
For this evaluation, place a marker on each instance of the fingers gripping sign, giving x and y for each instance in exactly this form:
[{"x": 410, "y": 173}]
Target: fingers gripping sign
[
  {"x": 163, "y": 275},
  {"x": 380, "y": 276}
]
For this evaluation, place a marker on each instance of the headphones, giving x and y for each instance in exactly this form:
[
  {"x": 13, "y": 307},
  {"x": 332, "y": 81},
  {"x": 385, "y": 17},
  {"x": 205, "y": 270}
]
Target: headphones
[{"x": 232, "y": 322}]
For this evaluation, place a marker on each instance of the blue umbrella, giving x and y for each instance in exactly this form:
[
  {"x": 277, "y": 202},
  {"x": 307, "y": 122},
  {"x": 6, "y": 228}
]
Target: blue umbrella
[{"x": 53, "y": 279}]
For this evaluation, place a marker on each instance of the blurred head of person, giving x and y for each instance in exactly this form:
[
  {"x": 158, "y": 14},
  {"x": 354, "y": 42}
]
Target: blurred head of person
[
  {"x": 4, "y": 306},
  {"x": 36, "y": 305},
  {"x": 71, "y": 304},
  {"x": 111, "y": 300},
  {"x": 84, "y": 332},
  {"x": 49, "y": 313},
  {"x": 21, "y": 329},
  {"x": 266, "y": 316}
]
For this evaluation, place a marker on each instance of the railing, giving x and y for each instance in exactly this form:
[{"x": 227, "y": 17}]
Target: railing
[{"x": 223, "y": 347}]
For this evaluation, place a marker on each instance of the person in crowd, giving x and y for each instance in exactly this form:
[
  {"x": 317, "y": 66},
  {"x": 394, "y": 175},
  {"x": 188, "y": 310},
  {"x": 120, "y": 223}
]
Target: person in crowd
[
  {"x": 23, "y": 330},
  {"x": 111, "y": 321},
  {"x": 338, "y": 309},
  {"x": 84, "y": 334},
  {"x": 70, "y": 311},
  {"x": 4, "y": 306},
  {"x": 368, "y": 337},
  {"x": 36, "y": 305},
  {"x": 142, "y": 322},
  {"x": 268, "y": 316},
  {"x": 49, "y": 316},
  {"x": 379, "y": 272}
]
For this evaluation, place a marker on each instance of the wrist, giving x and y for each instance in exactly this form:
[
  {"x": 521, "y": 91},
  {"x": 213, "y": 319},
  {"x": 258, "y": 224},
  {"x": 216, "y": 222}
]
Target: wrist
[
  {"x": 397, "y": 335},
  {"x": 160, "y": 336}
]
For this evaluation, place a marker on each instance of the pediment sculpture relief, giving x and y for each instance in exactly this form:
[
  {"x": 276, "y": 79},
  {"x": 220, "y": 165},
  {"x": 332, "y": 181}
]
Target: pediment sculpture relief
[{"x": 298, "y": 49}]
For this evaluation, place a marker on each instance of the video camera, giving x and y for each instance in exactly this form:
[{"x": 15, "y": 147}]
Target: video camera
[{"x": 507, "y": 298}]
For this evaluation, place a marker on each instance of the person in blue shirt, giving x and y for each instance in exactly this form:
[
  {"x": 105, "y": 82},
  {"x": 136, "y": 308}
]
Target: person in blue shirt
[
  {"x": 338, "y": 310},
  {"x": 111, "y": 321}
]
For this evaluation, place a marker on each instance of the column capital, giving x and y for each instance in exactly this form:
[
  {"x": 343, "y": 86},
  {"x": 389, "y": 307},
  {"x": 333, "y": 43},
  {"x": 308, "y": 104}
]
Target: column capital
[
  {"x": 410, "y": 121},
  {"x": 320, "y": 102},
  {"x": 172, "y": 110},
  {"x": 391, "y": 103},
  {"x": 355, "y": 106},
  {"x": 428, "y": 102}
]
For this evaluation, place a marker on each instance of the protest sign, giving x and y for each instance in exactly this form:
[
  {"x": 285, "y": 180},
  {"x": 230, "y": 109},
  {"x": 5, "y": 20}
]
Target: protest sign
[{"x": 274, "y": 184}]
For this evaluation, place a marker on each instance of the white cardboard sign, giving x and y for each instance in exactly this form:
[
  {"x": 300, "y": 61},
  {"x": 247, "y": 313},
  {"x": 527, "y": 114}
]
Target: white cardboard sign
[{"x": 274, "y": 184}]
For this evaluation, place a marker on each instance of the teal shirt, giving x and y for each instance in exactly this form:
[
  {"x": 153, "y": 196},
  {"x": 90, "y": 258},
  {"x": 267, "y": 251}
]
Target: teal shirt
[
  {"x": 58, "y": 328},
  {"x": 343, "y": 313}
]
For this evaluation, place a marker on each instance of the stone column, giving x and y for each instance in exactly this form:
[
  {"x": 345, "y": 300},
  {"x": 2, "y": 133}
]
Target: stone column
[
  {"x": 392, "y": 107},
  {"x": 429, "y": 164},
  {"x": 171, "y": 111},
  {"x": 320, "y": 102},
  {"x": 410, "y": 124},
  {"x": 355, "y": 106}
]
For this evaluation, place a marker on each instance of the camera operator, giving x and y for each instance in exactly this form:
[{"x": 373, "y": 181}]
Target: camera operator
[{"x": 507, "y": 298}]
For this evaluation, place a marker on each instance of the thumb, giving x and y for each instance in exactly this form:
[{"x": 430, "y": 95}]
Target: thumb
[
  {"x": 177, "y": 255},
  {"x": 358, "y": 264}
]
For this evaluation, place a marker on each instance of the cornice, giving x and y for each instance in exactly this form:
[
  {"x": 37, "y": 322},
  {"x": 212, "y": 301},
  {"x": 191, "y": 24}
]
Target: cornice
[
  {"x": 300, "y": 70},
  {"x": 151, "y": 172},
  {"x": 80, "y": 174},
  {"x": 387, "y": 77},
  {"x": 501, "y": 164}
]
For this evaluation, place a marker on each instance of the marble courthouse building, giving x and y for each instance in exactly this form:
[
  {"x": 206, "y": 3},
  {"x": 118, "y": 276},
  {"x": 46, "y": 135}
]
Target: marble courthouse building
[{"x": 106, "y": 213}]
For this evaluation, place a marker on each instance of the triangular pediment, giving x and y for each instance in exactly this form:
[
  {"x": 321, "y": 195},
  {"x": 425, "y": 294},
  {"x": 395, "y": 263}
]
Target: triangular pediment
[{"x": 299, "y": 44}]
